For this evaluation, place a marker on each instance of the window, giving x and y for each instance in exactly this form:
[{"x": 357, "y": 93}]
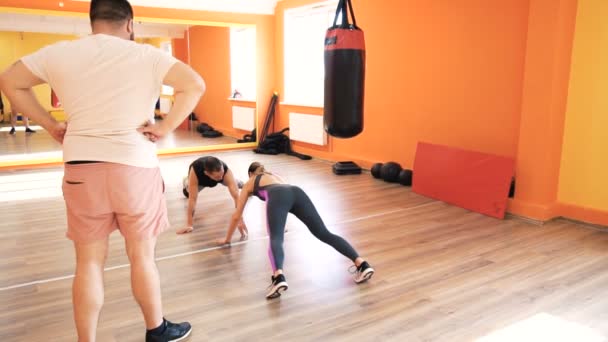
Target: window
[
  {"x": 305, "y": 29},
  {"x": 243, "y": 62}
]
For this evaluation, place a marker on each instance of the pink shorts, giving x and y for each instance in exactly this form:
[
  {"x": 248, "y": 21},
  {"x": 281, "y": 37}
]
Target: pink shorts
[{"x": 102, "y": 197}]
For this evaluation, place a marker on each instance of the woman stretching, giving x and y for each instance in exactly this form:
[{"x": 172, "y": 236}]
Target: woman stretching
[
  {"x": 207, "y": 172},
  {"x": 281, "y": 199}
]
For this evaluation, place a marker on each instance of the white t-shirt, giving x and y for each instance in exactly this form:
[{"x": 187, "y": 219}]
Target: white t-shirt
[{"x": 108, "y": 87}]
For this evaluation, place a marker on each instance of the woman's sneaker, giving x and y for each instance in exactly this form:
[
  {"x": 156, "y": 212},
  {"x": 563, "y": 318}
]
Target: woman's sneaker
[
  {"x": 363, "y": 273},
  {"x": 172, "y": 332},
  {"x": 278, "y": 285},
  {"x": 185, "y": 186}
]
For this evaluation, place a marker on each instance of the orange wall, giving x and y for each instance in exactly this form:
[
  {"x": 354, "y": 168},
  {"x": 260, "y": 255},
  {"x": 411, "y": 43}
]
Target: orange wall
[
  {"x": 210, "y": 57},
  {"x": 181, "y": 48},
  {"x": 545, "y": 92},
  {"x": 437, "y": 71}
]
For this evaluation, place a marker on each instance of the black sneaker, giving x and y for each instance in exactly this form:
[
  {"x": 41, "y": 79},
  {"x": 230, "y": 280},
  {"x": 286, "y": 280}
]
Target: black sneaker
[
  {"x": 29, "y": 130},
  {"x": 363, "y": 273},
  {"x": 278, "y": 285},
  {"x": 12, "y": 131},
  {"x": 173, "y": 332}
]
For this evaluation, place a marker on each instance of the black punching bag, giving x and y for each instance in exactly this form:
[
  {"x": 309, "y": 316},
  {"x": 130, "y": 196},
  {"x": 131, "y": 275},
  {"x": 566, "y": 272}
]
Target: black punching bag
[{"x": 344, "y": 75}]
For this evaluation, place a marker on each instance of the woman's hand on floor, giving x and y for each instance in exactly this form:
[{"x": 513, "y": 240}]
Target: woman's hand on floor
[{"x": 185, "y": 230}]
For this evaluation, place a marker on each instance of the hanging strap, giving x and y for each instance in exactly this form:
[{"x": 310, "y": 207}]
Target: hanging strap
[{"x": 344, "y": 6}]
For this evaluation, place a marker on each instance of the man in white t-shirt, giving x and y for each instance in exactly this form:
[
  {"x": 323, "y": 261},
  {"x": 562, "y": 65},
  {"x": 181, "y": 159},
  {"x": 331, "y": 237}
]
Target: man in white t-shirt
[{"x": 109, "y": 86}]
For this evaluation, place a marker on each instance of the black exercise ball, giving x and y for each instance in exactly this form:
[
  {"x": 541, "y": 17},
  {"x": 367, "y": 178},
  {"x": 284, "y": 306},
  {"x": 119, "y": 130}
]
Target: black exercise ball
[
  {"x": 405, "y": 177},
  {"x": 390, "y": 172},
  {"x": 376, "y": 170}
]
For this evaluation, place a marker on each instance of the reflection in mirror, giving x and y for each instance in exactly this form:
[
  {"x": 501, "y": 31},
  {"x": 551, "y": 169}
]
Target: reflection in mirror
[{"x": 224, "y": 56}]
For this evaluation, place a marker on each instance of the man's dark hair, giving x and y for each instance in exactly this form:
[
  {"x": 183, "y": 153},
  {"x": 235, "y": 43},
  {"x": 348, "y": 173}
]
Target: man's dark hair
[
  {"x": 116, "y": 11},
  {"x": 212, "y": 164}
]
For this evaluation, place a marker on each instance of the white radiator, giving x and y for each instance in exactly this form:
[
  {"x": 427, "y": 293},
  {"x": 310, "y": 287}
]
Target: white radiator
[
  {"x": 243, "y": 118},
  {"x": 307, "y": 128}
]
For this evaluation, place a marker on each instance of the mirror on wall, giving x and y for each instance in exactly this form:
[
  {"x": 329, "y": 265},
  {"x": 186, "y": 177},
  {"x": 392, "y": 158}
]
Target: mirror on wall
[{"x": 225, "y": 56}]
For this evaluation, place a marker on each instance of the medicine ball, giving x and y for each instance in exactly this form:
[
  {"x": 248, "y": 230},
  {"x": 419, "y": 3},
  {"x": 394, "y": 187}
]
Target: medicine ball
[
  {"x": 376, "y": 170},
  {"x": 405, "y": 177},
  {"x": 390, "y": 172}
]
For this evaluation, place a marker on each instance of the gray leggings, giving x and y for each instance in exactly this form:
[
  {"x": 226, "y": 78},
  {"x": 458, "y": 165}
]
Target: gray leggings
[{"x": 282, "y": 199}]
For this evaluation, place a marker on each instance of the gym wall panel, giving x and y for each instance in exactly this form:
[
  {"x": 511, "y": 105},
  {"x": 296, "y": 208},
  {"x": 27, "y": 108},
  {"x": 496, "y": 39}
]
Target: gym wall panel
[
  {"x": 545, "y": 92},
  {"x": 584, "y": 163},
  {"x": 210, "y": 57},
  {"x": 181, "y": 48},
  {"x": 468, "y": 179}
]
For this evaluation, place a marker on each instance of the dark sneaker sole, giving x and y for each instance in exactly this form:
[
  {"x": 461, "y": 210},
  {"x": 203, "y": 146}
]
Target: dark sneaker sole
[
  {"x": 282, "y": 287},
  {"x": 367, "y": 275},
  {"x": 183, "y": 337}
]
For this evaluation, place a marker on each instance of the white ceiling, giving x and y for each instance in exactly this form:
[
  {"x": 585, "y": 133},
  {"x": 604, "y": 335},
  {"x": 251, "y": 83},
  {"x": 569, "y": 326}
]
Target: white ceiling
[
  {"x": 235, "y": 6},
  {"x": 79, "y": 26}
]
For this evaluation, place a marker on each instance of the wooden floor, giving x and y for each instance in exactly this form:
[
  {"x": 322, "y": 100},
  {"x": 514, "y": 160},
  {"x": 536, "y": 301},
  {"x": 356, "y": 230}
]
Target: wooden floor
[
  {"x": 41, "y": 145},
  {"x": 443, "y": 273}
]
